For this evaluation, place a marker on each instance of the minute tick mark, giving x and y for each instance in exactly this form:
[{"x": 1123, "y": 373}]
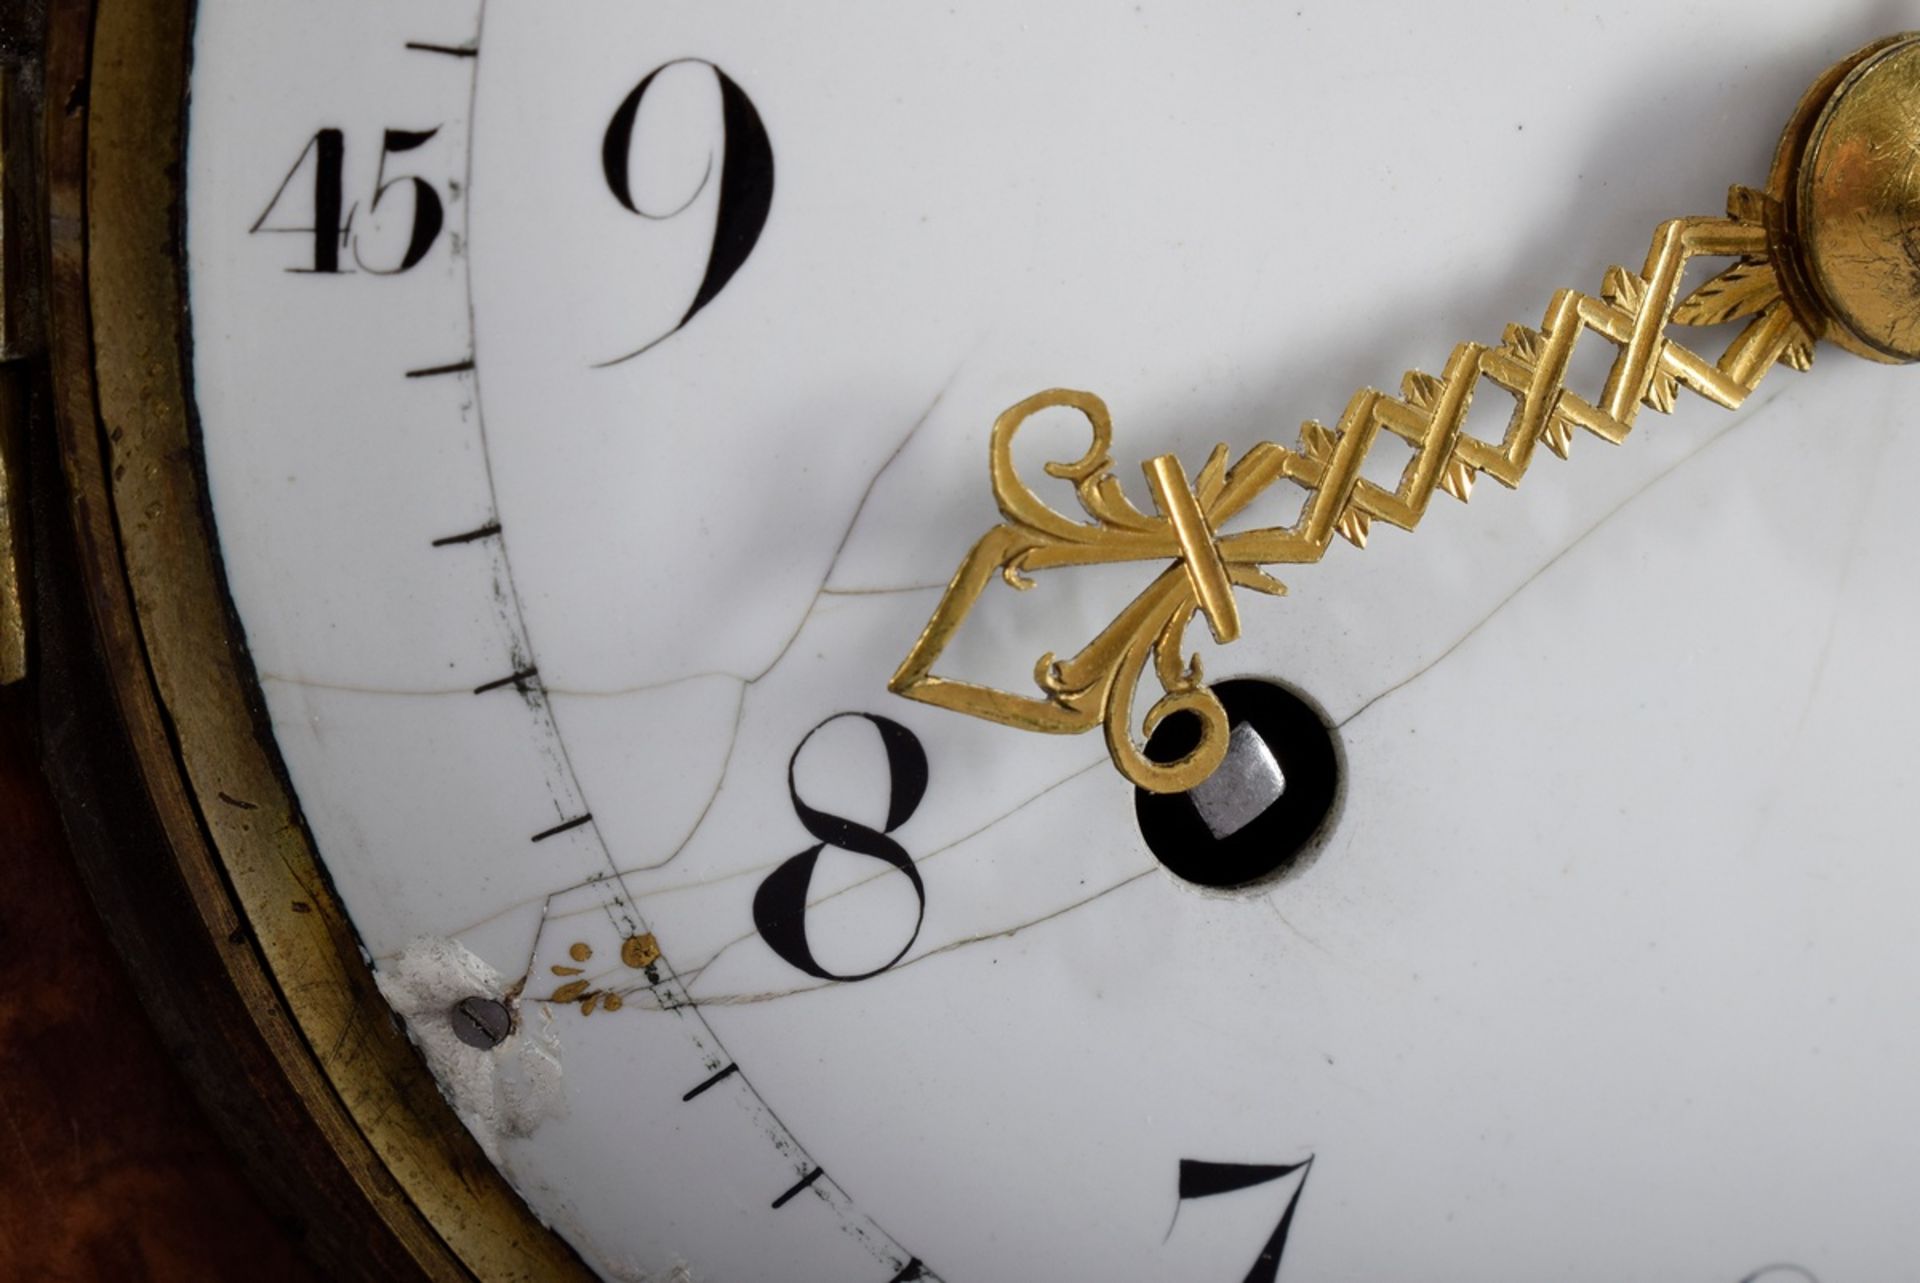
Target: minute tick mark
[
  {"x": 565, "y": 826},
  {"x": 798, "y": 1187},
  {"x": 714, "y": 1081},
  {"x": 487, "y": 531},
  {"x": 434, "y": 371},
  {"x": 452, "y": 51},
  {"x": 519, "y": 681}
]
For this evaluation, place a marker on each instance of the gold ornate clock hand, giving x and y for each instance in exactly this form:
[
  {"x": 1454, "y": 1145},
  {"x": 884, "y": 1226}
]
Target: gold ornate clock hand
[{"x": 1831, "y": 249}]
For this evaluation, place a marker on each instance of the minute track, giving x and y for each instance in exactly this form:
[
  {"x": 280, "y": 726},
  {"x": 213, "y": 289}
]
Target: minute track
[{"x": 615, "y": 901}]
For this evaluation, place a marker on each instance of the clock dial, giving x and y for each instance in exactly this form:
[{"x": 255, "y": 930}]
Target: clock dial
[{"x": 592, "y": 405}]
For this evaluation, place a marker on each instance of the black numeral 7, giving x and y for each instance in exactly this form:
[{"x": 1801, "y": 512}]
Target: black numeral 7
[{"x": 1199, "y": 1179}]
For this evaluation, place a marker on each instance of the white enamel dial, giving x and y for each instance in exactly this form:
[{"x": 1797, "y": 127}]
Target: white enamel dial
[{"x": 594, "y": 400}]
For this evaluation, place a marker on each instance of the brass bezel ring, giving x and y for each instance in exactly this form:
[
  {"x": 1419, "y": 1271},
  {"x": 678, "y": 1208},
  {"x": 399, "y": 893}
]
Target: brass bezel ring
[{"x": 182, "y": 689}]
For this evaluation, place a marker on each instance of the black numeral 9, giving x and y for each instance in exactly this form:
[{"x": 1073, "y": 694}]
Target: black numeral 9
[{"x": 745, "y": 165}]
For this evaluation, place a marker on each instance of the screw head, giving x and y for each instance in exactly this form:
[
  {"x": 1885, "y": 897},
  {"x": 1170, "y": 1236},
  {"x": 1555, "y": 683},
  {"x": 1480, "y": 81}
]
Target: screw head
[{"x": 481, "y": 1022}]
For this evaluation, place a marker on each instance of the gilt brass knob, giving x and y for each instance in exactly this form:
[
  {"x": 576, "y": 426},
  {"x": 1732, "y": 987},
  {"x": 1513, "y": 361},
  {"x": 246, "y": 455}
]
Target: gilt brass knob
[{"x": 1849, "y": 182}]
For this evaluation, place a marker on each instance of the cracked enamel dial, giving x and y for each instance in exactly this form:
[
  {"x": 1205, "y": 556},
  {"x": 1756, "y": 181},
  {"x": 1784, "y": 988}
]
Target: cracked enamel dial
[{"x": 592, "y": 398}]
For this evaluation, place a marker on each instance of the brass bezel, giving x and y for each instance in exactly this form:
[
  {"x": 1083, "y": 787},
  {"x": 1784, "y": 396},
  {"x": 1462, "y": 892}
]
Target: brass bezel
[{"x": 178, "y": 676}]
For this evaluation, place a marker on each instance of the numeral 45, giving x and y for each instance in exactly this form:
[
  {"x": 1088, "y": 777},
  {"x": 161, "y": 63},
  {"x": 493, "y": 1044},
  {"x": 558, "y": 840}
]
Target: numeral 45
[{"x": 322, "y": 164}]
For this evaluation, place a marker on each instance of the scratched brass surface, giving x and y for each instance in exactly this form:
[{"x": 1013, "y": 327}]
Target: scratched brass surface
[{"x": 1859, "y": 201}]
